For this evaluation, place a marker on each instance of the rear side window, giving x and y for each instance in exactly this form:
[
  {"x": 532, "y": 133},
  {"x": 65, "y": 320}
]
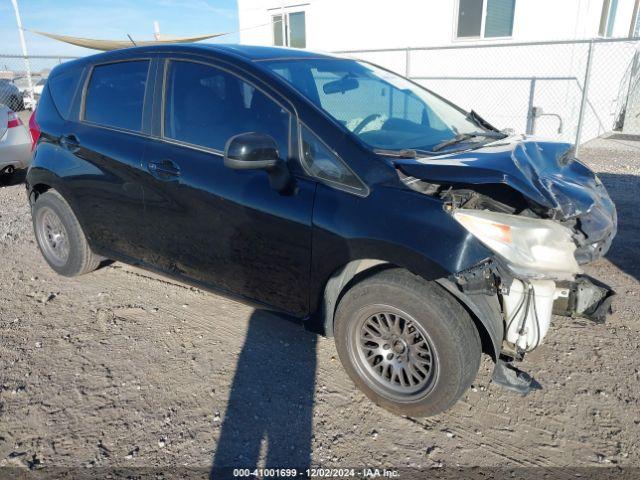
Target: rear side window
[
  {"x": 206, "y": 106},
  {"x": 63, "y": 87},
  {"x": 115, "y": 95}
]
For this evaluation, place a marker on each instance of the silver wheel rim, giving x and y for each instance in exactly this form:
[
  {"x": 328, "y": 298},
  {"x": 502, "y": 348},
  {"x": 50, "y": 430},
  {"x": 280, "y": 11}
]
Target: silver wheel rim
[
  {"x": 52, "y": 236},
  {"x": 394, "y": 352}
]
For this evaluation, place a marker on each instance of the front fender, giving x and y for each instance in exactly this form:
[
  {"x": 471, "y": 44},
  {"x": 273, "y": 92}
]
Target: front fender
[{"x": 393, "y": 225}]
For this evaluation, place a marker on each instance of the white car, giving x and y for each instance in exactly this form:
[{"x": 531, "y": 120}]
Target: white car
[
  {"x": 38, "y": 82},
  {"x": 38, "y": 85},
  {"x": 15, "y": 142},
  {"x": 23, "y": 83}
]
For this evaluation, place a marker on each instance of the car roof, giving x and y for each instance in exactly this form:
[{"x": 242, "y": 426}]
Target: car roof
[
  {"x": 233, "y": 52},
  {"x": 243, "y": 52},
  {"x": 255, "y": 52}
]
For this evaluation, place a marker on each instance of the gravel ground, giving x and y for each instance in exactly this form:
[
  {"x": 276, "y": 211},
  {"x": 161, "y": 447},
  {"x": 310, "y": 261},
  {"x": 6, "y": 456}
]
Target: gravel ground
[{"x": 121, "y": 368}]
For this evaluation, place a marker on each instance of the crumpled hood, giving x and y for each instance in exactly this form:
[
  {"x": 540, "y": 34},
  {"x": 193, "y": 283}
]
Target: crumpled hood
[{"x": 544, "y": 172}]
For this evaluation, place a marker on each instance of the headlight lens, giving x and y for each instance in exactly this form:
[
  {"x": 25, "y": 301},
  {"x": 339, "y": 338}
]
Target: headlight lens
[{"x": 532, "y": 247}]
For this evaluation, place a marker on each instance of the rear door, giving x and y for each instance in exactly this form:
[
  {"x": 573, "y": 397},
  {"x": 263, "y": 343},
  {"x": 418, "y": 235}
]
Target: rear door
[
  {"x": 225, "y": 228},
  {"x": 104, "y": 149}
]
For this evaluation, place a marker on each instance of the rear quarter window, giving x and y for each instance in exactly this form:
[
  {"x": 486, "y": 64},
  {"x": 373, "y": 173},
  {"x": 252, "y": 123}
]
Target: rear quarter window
[
  {"x": 63, "y": 88},
  {"x": 115, "y": 94}
]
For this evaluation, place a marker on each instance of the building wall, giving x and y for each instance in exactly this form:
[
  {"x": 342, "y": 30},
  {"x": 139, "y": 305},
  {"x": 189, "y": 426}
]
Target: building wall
[
  {"x": 499, "y": 83},
  {"x": 365, "y": 24}
]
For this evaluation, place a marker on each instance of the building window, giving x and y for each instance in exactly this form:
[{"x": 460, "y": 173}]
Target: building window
[
  {"x": 485, "y": 18},
  {"x": 289, "y": 30},
  {"x": 634, "y": 30},
  {"x": 297, "y": 34},
  {"x": 608, "y": 18},
  {"x": 278, "y": 35}
]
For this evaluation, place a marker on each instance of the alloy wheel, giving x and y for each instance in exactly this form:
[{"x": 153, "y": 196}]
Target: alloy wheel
[{"x": 394, "y": 352}]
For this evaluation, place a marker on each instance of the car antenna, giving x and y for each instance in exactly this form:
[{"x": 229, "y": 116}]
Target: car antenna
[{"x": 134, "y": 43}]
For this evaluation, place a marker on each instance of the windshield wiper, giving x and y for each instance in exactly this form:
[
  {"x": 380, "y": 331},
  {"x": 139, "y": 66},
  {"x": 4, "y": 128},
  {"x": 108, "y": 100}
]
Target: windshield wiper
[
  {"x": 479, "y": 121},
  {"x": 461, "y": 137},
  {"x": 403, "y": 153}
]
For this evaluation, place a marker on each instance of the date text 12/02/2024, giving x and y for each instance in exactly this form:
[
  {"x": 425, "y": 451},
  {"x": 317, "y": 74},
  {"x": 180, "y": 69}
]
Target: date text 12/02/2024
[{"x": 316, "y": 473}]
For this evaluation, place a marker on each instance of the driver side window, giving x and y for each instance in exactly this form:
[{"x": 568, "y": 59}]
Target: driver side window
[
  {"x": 205, "y": 106},
  {"x": 320, "y": 162}
]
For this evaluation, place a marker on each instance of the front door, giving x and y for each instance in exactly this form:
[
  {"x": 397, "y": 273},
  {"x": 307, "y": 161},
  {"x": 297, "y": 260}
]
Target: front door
[{"x": 225, "y": 228}]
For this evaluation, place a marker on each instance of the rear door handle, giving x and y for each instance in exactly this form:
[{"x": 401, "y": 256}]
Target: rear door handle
[
  {"x": 164, "y": 169},
  {"x": 70, "y": 142}
]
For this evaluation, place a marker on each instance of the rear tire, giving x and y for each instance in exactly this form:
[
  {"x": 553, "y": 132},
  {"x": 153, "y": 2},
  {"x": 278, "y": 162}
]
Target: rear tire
[
  {"x": 60, "y": 236},
  {"x": 406, "y": 343},
  {"x": 6, "y": 175}
]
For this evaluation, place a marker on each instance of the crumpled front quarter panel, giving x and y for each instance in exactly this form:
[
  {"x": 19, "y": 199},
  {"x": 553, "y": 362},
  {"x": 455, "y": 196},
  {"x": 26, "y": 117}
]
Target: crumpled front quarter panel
[{"x": 394, "y": 225}]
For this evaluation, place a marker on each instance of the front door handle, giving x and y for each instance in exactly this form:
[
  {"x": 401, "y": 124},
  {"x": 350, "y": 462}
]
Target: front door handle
[{"x": 164, "y": 169}]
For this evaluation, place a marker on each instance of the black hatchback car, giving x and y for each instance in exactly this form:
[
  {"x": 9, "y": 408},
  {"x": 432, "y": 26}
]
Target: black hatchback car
[{"x": 328, "y": 189}]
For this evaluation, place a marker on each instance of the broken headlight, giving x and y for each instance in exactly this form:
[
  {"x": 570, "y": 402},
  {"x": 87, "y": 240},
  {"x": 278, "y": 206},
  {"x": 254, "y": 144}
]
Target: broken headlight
[{"x": 532, "y": 248}]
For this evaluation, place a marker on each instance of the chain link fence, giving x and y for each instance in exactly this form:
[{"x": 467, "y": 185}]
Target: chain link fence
[
  {"x": 571, "y": 90},
  {"x": 16, "y": 91},
  {"x": 567, "y": 90}
]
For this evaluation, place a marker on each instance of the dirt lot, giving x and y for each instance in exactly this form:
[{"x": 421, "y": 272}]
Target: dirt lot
[{"x": 120, "y": 368}]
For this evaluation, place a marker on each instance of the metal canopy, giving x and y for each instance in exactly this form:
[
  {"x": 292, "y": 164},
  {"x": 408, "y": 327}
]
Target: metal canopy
[{"x": 106, "y": 45}]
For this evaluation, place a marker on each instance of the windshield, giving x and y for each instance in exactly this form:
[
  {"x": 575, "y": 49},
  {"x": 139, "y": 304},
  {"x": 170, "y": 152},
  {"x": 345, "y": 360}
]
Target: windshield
[{"x": 384, "y": 110}]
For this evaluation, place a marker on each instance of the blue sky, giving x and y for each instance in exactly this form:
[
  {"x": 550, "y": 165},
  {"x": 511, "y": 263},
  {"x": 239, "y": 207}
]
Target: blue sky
[{"x": 111, "y": 20}]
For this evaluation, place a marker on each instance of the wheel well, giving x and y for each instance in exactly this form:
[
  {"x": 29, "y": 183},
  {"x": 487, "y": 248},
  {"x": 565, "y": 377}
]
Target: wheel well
[
  {"x": 356, "y": 271},
  {"x": 335, "y": 288},
  {"x": 37, "y": 190},
  {"x": 485, "y": 338},
  {"x": 488, "y": 346}
]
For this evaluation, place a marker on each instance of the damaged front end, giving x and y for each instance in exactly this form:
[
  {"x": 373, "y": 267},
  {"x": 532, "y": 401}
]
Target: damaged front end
[{"x": 543, "y": 214}]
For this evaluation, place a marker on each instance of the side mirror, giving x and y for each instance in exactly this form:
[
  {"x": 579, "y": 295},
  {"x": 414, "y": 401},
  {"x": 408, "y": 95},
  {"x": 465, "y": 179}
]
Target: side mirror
[
  {"x": 258, "y": 151},
  {"x": 251, "y": 151}
]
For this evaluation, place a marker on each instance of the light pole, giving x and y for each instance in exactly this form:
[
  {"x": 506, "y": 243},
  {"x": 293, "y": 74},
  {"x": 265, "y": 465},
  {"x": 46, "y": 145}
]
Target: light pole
[{"x": 24, "y": 51}]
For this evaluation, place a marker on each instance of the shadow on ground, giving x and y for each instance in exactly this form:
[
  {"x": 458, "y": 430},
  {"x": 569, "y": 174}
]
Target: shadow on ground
[
  {"x": 625, "y": 192},
  {"x": 270, "y": 409}
]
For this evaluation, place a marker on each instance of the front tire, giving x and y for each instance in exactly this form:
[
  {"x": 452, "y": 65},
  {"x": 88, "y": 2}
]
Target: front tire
[
  {"x": 406, "y": 343},
  {"x": 60, "y": 236}
]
